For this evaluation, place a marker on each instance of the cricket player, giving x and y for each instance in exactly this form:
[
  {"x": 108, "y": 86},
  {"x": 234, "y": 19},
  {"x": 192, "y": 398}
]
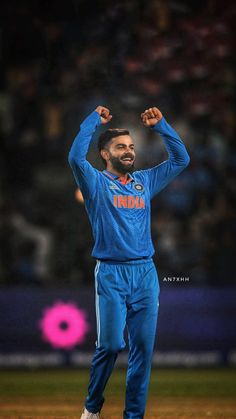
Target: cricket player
[{"x": 117, "y": 201}]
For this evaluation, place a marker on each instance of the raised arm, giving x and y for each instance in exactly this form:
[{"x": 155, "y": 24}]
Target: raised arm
[
  {"x": 178, "y": 158},
  {"x": 85, "y": 174}
]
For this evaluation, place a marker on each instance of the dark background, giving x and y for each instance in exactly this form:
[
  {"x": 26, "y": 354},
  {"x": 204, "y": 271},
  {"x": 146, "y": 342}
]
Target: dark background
[{"x": 58, "y": 61}]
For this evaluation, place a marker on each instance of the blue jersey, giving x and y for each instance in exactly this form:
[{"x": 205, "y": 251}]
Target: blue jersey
[{"x": 120, "y": 214}]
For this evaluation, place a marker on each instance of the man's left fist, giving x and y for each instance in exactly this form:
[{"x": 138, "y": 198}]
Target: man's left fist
[
  {"x": 151, "y": 117},
  {"x": 104, "y": 113}
]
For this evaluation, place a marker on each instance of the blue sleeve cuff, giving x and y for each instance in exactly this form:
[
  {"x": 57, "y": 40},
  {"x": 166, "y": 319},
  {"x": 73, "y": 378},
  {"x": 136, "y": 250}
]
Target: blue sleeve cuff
[
  {"x": 160, "y": 125},
  {"x": 92, "y": 121}
]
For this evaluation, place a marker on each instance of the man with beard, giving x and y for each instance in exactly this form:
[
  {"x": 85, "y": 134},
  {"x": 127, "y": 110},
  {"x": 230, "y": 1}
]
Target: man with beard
[{"x": 117, "y": 201}]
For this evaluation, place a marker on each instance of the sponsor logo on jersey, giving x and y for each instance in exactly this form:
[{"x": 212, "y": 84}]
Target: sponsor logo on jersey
[
  {"x": 113, "y": 186},
  {"x": 139, "y": 187},
  {"x": 128, "y": 201}
]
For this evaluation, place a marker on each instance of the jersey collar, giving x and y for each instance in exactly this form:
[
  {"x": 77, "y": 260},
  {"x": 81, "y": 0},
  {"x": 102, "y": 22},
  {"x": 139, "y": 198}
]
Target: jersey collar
[{"x": 120, "y": 178}]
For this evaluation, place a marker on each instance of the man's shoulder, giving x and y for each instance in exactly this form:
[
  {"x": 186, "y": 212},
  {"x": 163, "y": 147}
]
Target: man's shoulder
[
  {"x": 140, "y": 176},
  {"x": 103, "y": 177}
]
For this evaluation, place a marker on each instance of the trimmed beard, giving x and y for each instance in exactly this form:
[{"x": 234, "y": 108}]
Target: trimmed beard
[{"x": 120, "y": 167}]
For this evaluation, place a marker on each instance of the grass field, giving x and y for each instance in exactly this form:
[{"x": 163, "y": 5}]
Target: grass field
[{"x": 174, "y": 393}]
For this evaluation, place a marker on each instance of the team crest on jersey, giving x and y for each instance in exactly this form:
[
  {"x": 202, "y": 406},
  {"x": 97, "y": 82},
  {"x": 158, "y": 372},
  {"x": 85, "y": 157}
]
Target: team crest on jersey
[
  {"x": 139, "y": 187},
  {"x": 113, "y": 186}
]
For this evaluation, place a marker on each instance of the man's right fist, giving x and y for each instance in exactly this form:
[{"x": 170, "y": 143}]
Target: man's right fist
[
  {"x": 104, "y": 113},
  {"x": 151, "y": 117}
]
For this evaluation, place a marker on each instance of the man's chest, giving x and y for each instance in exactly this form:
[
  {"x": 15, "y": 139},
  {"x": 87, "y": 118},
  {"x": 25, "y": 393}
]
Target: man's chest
[{"x": 131, "y": 196}]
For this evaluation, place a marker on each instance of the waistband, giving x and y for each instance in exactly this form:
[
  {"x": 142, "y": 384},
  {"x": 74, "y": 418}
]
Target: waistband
[{"x": 128, "y": 262}]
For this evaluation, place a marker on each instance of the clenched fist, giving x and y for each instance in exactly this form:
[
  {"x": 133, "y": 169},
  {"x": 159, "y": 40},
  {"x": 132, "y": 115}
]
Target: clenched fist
[
  {"x": 105, "y": 114},
  {"x": 151, "y": 117}
]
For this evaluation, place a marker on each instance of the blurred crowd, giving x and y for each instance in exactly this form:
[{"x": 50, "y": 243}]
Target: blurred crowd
[{"x": 126, "y": 55}]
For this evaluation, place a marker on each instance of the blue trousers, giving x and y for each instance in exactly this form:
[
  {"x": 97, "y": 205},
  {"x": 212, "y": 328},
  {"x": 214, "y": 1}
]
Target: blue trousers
[{"x": 126, "y": 295}]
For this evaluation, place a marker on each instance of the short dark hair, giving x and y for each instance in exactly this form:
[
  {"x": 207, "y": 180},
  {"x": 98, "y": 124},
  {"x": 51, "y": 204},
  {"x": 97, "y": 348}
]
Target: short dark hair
[{"x": 107, "y": 136}]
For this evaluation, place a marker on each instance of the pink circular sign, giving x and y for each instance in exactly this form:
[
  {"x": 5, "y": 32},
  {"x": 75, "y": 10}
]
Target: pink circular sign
[{"x": 64, "y": 325}]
